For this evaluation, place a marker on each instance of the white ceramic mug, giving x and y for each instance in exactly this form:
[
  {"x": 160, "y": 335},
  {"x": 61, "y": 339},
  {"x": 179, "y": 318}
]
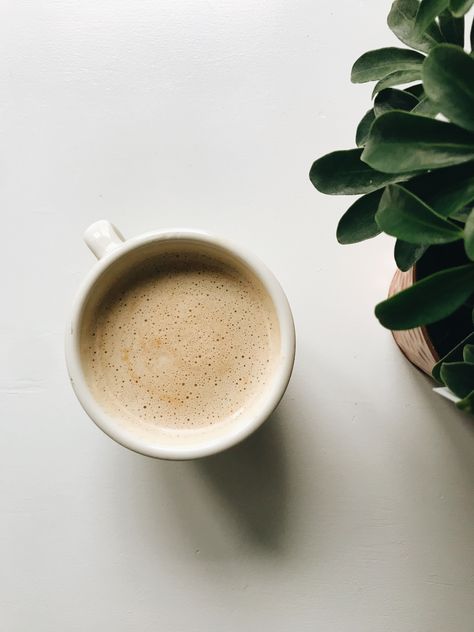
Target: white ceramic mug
[{"x": 115, "y": 255}]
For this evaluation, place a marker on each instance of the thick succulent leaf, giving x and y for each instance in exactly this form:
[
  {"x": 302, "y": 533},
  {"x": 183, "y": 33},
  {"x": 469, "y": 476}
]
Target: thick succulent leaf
[
  {"x": 379, "y": 63},
  {"x": 343, "y": 173},
  {"x": 403, "y": 215},
  {"x": 358, "y": 222},
  {"x": 428, "y": 300},
  {"x": 469, "y": 236},
  {"x": 426, "y": 108},
  {"x": 363, "y": 128},
  {"x": 401, "y": 21},
  {"x": 391, "y": 99},
  {"x": 427, "y": 12},
  {"x": 459, "y": 377},
  {"x": 452, "y": 28},
  {"x": 462, "y": 214},
  {"x": 406, "y": 254},
  {"x": 448, "y": 79},
  {"x": 467, "y": 404},
  {"x": 402, "y": 142},
  {"x": 455, "y": 355},
  {"x": 416, "y": 90},
  {"x": 460, "y": 7},
  {"x": 396, "y": 79},
  {"x": 468, "y": 354},
  {"x": 447, "y": 190}
]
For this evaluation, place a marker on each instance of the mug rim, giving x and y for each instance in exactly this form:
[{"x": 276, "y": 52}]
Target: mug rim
[{"x": 239, "y": 429}]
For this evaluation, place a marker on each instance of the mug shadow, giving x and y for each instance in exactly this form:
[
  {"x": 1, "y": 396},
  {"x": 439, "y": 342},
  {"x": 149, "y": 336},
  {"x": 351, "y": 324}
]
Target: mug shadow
[
  {"x": 250, "y": 483},
  {"x": 217, "y": 508}
]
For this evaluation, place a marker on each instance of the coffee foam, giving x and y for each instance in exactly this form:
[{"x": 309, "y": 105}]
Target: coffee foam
[{"x": 180, "y": 342}]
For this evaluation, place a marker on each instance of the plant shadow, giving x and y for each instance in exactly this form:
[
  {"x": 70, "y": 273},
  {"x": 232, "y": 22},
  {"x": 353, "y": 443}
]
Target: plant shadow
[{"x": 456, "y": 425}]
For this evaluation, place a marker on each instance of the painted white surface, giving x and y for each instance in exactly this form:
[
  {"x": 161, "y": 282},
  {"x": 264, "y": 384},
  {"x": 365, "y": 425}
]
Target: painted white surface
[{"x": 353, "y": 508}]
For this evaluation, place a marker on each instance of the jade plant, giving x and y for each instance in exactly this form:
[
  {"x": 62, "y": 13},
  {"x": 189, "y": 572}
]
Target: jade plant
[
  {"x": 413, "y": 169},
  {"x": 456, "y": 369}
]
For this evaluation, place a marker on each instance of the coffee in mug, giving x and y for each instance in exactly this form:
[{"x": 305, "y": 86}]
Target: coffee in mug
[
  {"x": 180, "y": 344},
  {"x": 180, "y": 341}
]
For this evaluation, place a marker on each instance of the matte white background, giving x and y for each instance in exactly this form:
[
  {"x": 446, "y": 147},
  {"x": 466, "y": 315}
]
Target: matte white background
[{"x": 352, "y": 509}]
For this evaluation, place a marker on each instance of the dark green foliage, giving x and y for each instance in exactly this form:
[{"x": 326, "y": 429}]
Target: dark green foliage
[
  {"x": 403, "y": 215},
  {"x": 392, "y": 99},
  {"x": 428, "y": 300},
  {"x": 448, "y": 74},
  {"x": 343, "y": 173},
  {"x": 358, "y": 222},
  {"x": 452, "y": 28},
  {"x": 401, "y": 142},
  {"x": 417, "y": 177},
  {"x": 460, "y": 7},
  {"x": 363, "y": 128},
  {"x": 401, "y": 21},
  {"x": 406, "y": 254},
  {"x": 455, "y": 355},
  {"x": 377, "y": 64}
]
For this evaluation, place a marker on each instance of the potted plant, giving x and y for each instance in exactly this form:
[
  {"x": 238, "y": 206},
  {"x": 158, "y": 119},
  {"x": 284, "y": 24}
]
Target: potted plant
[{"x": 414, "y": 170}]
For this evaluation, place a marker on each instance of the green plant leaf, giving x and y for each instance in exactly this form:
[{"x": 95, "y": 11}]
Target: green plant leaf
[
  {"x": 406, "y": 255},
  {"x": 455, "y": 355},
  {"x": 448, "y": 79},
  {"x": 459, "y": 377},
  {"x": 467, "y": 404},
  {"x": 391, "y": 99},
  {"x": 402, "y": 142},
  {"x": 358, "y": 222},
  {"x": 427, "y": 12},
  {"x": 343, "y": 173},
  {"x": 379, "y": 63},
  {"x": 452, "y": 28},
  {"x": 363, "y": 128},
  {"x": 416, "y": 90},
  {"x": 401, "y": 21},
  {"x": 468, "y": 354},
  {"x": 397, "y": 78},
  {"x": 469, "y": 236},
  {"x": 428, "y": 300},
  {"x": 426, "y": 108},
  {"x": 447, "y": 190},
  {"x": 460, "y": 7},
  {"x": 462, "y": 214},
  {"x": 403, "y": 215}
]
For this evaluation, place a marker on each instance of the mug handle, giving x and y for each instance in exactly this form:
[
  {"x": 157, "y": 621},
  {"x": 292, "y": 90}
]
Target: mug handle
[{"x": 102, "y": 237}]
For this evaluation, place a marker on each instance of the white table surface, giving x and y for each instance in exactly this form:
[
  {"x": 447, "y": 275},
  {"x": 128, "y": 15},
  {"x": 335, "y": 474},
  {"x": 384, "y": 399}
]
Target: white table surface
[{"x": 352, "y": 509}]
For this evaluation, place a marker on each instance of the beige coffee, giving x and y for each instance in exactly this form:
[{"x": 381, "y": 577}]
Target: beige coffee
[{"x": 181, "y": 341}]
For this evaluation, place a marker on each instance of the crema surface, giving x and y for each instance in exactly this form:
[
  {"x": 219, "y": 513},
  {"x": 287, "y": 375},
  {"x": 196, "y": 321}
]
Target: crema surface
[{"x": 180, "y": 342}]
